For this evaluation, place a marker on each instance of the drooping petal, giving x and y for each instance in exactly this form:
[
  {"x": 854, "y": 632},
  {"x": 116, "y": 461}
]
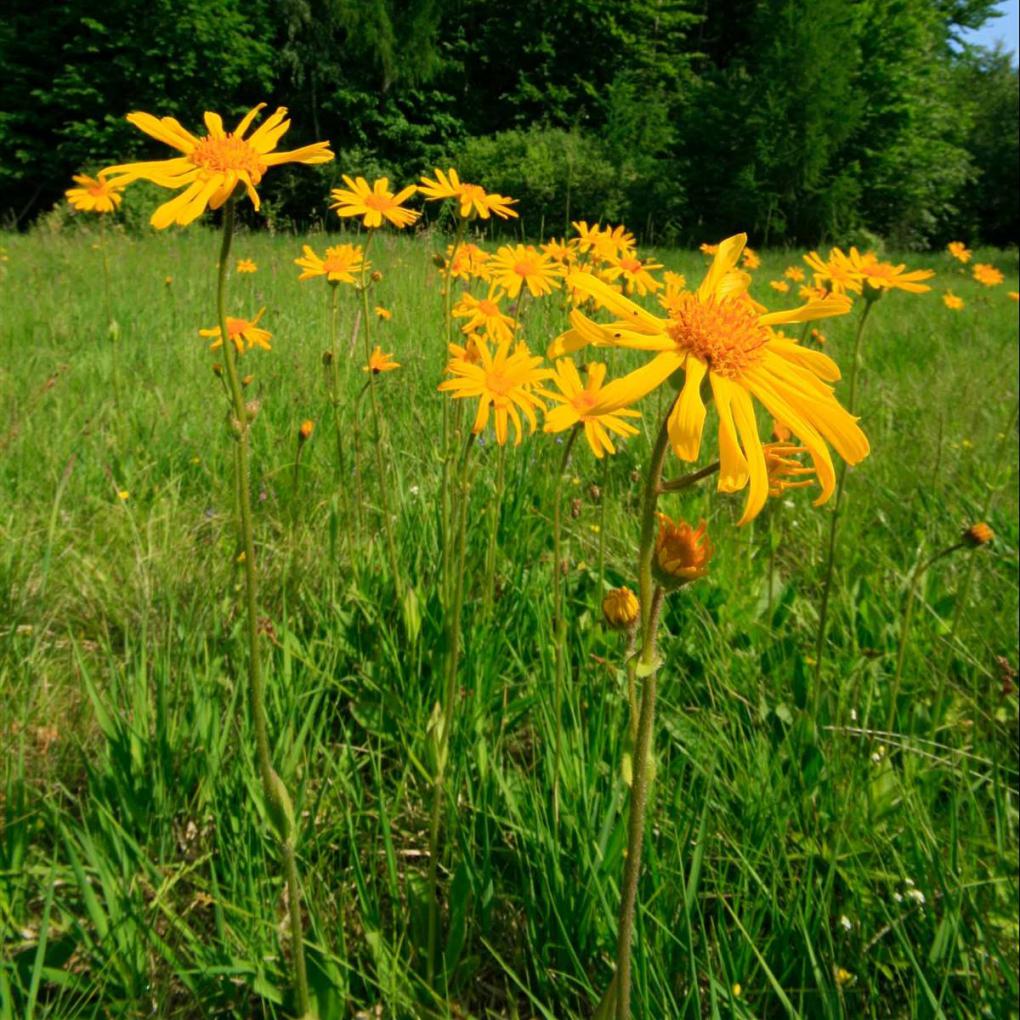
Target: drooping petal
[
  {"x": 733, "y": 470},
  {"x": 725, "y": 259},
  {"x": 747, "y": 428},
  {"x": 636, "y": 317},
  {"x": 629, "y": 389},
  {"x": 688, "y": 417}
]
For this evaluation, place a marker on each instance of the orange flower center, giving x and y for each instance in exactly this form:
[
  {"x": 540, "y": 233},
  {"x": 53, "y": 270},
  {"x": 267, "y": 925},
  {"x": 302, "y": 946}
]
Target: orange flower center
[
  {"x": 380, "y": 203},
  {"x": 235, "y": 327},
  {"x": 725, "y": 335},
  {"x": 99, "y": 190},
  {"x": 630, "y": 265},
  {"x": 472, "y": 193},
  {"x": 488, "y": 308},
  {"x": 498, "y": 386},
  {"x": 583, "y": 402},
  {"x": 221, "y": 155},
  {"x": 335, "y": 264},
  {"x": 525, "y": 267}
]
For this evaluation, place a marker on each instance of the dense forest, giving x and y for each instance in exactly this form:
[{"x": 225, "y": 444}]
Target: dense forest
[{"x": 798, "y": 120}]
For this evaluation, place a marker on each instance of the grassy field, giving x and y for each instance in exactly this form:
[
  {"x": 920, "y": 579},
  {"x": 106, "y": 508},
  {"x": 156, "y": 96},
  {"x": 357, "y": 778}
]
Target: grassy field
[{"x": 810, "y": 853}]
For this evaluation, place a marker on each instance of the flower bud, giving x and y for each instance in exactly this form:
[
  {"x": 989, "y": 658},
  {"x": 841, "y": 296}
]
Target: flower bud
[
  {"x": 247, "y": 380},
  {"x": 681, "y": 553},
  {"x": 217, "y": 369},
  {"x": 305, "y": 430},
  {"x": 621, "y": 609},
  {"x": 978, "y": 534},
  {"x": 376, "y": 276}
]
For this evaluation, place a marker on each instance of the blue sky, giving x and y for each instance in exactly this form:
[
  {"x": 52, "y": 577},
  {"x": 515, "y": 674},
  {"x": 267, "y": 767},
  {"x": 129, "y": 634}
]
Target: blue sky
[{"x": 1005, "y": 28}]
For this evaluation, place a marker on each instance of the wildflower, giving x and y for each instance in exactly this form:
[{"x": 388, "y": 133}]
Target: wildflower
[
  {"x": 169, "y": 281},
  {"x": 750, "y": 259},
  {"x": 986, "y": 274},
  {"x": 978, "y": 534},
  {"x": 781, "y": 464},
  {"x": 560, "y": 251},
  {"x": 794, "y": 273},
  {"x": 675, "y": 282},
  {"x": 374, "y": 202},
  {"x": 1014, "y": 295},
  {"x": 708, "y": 249},
  {"x": 813, "y": 292},
  {"x": 379, "y": 362},
  {"x": 603, "y": 243},
  {"x": 471, "y": 351},
  {"x": 837, "y": 271},
  {"x": 246, "y": 266},
  {"x": 781, "y": 286},
  {"x": 819, "y": 337},
  {"x": 681, "y": 553},
  {"x": 95, "y": 194},
  {"x": 575, "y": 402},
  {"x": 950, "y": 300},
  {"x": 881, "y": 276},
  {"x": 959, "y": 251},
  {"x": 621, "y": 608},
  {"x": 502, "y": 382},
  {"x": 341, "y": 264},
  {"x": 484, "y": 313},
  {"x": 517, "y": 265},
  {"x": 736, "y": 990},
  {"x": 211, "y": 167},
  {"x": 123, "y": 495},
  {"x": 469, "y": 262},
  {"x": 383, "y": 313},
  {"x": 843, "y": 976},
  {"x": 719, "y": 331},
  {"x": 473, "y": 199},
  {"x": 241, "y": 332},
  {"x": 305, "y": 430},
  {"x": 634, "y": 274}
]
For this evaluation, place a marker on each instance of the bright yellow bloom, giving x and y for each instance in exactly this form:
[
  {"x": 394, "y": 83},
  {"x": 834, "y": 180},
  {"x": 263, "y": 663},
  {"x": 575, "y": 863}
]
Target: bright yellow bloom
[
  {"x": 621, "y": 608},
  {"x": 882, "y": 276},
  {"x": 373, "y": 202},
  {"x": 94, "y": 194},
  {"x": 838, "y": 272},
  {"x": 779, "y": 285},
  {"x": 380, "y": 362},
  {"x": 246, "y": 266},
  {"x": 503, "y": 384},
  {"x": 750, "y": 259},
  {"x": 241, "y": 332},
  {"x": 561, "y": 251},
  {"x": 511, "y": 267},
  {"x": 634, "y": 274},
  {"x": 720, "y": 332},
  {"x": 681, "y": 553},
  {"x": 470, "y": 262},
  {"x": 1013, "y": 295},
  {"x": 603, "y": 242},
  {"x": 484, "y": 314},
  {"x": 474, "y": 200},
  {"x": 123, "y": 495},
  {"x": 674, "y": 281},
  {"x": 794, "y": 273},
  {"x": 383, "y": 313},
  {"x": 340, "y": 265},
  {"x": 211, "y": 167},
  {"x": 708, "y": 249},
  {"x": 950, "y": 300},
  {"x": 986, "y": 274},
  {"x": 959, "y": 251},
  {"x": 576, "y": 400}
]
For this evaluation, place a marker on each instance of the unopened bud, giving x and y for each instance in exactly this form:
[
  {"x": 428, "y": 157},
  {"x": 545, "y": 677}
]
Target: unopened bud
[
  {"x": 376, "y": 276},
  {"x": 305, "y": 430},
  {"x": 217, "y": 369},
  {"x": 681, "y": 553},
  {"x": 978, "y": 535},
  {"x": 621, "y": 608}
]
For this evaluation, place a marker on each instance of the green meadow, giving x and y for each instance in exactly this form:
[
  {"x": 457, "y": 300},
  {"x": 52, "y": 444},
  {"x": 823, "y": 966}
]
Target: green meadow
[{"x": 831, "y": 849}]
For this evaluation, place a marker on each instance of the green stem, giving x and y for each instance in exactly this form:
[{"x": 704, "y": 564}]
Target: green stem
[
  {"x": 384, "y": 492},
  {"x": 559, "y": 623},
  {"x": 278, "y": 803},
  {"x": 830, "y": 556},
  {"x": 489, "y": 591}
]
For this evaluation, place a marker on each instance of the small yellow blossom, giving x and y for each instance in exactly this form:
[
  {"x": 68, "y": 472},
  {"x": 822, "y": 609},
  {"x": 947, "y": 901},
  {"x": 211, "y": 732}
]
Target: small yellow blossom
[
  {"x": 986, "y": 274},
  {"x": 383, "y": 313},
  {"x": 340, "y": 265},
  {"x": 246, "y": 266},
  {"x": 473, "y": 199},
  {"x": 950, "y": 300},
  {"x": 959, "y": 251},
  {"x": 978, "y": 535},
  {"x": 485, "y": 314},
  {"x": 750, "y": 259},
  {"x": 512, "y": 267},
  {"x": 380, "y": 362},
  {"x": 794, "y": 273},
  {"x": 241, "y": 332},
  {"x": 621, "y": 608},
  {"x": 123, "y": 495},
  {"x": 781, "y": 286},
  {"x": 374, "y": 202},
  {"x": 93, "y": 194}
]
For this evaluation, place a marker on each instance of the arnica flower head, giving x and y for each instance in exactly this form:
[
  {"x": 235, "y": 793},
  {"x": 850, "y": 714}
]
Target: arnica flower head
[
  {"x": 603, "y": 243},
  {"x": 485, "y": 314},
  {"x": 708, "y": 249},
  {"x": 576, "y": 399},
  {"x": 305, "y": 430},
  {"x": 1013, "y": 295},
  {"x": 379, "y": 362},
  {"x": 383, "y": 313},
  {"x": 473, "y": 199},
  {"x": 374, "y": 202},
  {"x": 503, "y": 382},
  {"x": 750, "y": 259},
  {"x": 95, "y": 194},
  {"x": 978, "y": 534},
  {"x": 681, "y": 553},
  {"x": 720, "y": 333},
  {"x": 836, "y": 274},
  {"x": 211, "y": 168},
  {"x": 794, "y": 273},
  {"x": 246, "y": 266},
  {"x": 340, "y": 264},
  {"x": 564, "y": 252},
  {"x": 468, "y": 262},
  {"x": 959, "y": 251},
  {"x": 780, "y": 286},
  {"x": 512, "y": 267},
  {"x": 633, "y": 273},
  {"x": 881, "y": 276},
  {"x": 986, "y": 274},
  {"x": 950, "y": 300},
  {"x": 241, "y": 332},
  {"x": 621, "y": 609}
]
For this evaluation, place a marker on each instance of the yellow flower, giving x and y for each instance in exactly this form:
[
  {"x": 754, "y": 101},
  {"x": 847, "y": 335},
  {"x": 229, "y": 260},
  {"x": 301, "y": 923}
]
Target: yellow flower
[
  {"x": 838, "y": 272},
  {"x": 779, "y": 285},
  {"x": 882, "y": 276},
  {"x": 576, "y": 400},
  {"x": 305, "y": 430},
  {"x": 959, "y": 251},
  {"x": 123, "y": 495},
  {"x": 986, "y": 274},
  {"x": 675, "y": 282},
  {"x": 502, "y": 383},
  {"x": 603, "y": 242},
  {"x": 470, "y": 352},
  {"x": 211, "y": 167},
  {"x": 794, "y": 273},
  {"x": 342, "y": 263},
  {"x": 814, "y": 292},
  {"x": 708, "y": 249},
  {"x": 843, "y": 976},
  {"x": 484, "y": 314},
  {"x": 94, "y": 194},
  {"x": 718, "y": 331},
  {"x": 750, "y": 259},
  {"x": 246, "y": 266},
  {"x": 681, "y": 553},
  {"x": 379, "y": 362},
  {"x": 621, "y": 608},
  {"x": 781, "y": 464},
  {"x": 513, "y": 266},
  {"x": 383, "y": 313},
  {"x": 635, "y": 274},
  {"x": 1013, "y": 295},
  {"x": 241, "y": 332},
  {"x": 470, "y": 262},
  {"x": 950, "y": 300},
  {"x": 978, "y": 535},
  {"x": 473, "y": 199},
  {"x": 561, "y": 251},
  {"x": 374, "y": 202}
]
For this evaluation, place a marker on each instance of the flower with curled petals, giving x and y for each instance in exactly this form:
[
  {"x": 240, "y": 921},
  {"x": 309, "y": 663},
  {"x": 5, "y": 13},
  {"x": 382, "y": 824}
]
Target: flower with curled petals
[
  {"x": 473, "y": 199},
  {"x": 241, "y": 332}
]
